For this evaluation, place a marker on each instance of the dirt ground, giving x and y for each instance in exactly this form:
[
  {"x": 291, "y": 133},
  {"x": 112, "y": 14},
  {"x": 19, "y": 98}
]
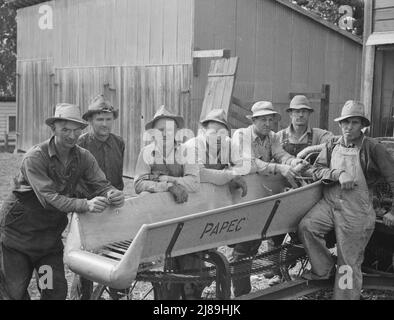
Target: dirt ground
[{"x": 9, "y": 165}]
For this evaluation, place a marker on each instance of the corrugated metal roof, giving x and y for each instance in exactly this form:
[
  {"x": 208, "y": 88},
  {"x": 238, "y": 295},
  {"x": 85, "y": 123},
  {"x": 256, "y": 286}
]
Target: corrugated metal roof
[{"x": 24, "y": 3}]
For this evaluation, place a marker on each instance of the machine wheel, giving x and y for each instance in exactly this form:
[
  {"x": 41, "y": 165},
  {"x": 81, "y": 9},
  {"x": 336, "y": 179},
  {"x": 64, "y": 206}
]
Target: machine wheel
[{"x": 379, "y": 254}]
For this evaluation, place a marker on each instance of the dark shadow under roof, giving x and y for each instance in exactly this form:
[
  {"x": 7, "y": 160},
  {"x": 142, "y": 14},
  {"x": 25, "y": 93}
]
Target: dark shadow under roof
[{"x": 7, "y": 99}]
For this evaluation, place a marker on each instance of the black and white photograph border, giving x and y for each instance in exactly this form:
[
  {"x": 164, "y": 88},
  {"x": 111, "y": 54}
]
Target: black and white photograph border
[{"x": 196, "y": 150}]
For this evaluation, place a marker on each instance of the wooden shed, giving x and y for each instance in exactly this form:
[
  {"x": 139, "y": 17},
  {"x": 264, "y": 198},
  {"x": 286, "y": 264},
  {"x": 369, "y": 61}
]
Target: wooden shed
[
  {"x": 7, "y": 122},
  {"x": 140, "y": 54},
  {"x": 378, "y": 65}
]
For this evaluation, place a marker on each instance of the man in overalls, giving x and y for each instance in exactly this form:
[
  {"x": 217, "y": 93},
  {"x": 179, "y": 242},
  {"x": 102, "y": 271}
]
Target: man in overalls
[
  {"x": 349, "y": 165},
  {"x": 295, "y": 138},
  {"x": 157, "y": 170},
  {"x": 108, "y": 150},
  {"x": 257, "y": 149},
  {"x": 34, "y": 215},
  {"x": 299, "y": 135}
]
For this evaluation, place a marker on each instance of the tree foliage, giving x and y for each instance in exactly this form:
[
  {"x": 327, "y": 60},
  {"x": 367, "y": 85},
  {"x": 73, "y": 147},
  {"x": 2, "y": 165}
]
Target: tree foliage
[
  {"x": 7, "y": 49},
  {"x": 329, "y": 11}
]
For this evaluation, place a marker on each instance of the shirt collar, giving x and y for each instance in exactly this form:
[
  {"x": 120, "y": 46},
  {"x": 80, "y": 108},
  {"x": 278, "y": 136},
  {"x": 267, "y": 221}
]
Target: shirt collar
[
  {"x": 52, "y": 151},
  {"x": 98, "y": 143},
  {"x": 356, "y": 143},
  {"x": 257, "y": 137},
  {"x": 290, "y": 130},
  {"x": 158, "y": 151}
]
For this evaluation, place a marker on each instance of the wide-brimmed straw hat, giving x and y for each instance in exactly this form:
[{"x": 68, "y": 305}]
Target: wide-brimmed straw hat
[
  {"x": 98, "y": 105},
  {"x": 263, "y": 108},
  {"x": 217, "y": 115},
  {"x": 299, "y": 102},
  {"x": 67, "y": 112},
  {"x": 164, "y": 113},
  {"x": 353, "y": 108}
]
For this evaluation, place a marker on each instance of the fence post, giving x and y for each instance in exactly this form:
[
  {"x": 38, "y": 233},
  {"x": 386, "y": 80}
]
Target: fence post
[
  {"x": 6, "y": 142},
  {"x": 324, "y": 106}
]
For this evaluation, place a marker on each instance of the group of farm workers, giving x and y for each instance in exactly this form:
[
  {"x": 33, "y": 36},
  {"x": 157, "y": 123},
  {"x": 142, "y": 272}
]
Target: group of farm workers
[{"x": 76, "y": 172}]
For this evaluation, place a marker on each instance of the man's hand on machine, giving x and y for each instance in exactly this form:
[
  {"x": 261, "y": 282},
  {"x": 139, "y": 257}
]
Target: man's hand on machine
[
  {"x": 297, "y": 162},
  {"x": 388, "y": 219},
  {"x": 178, "y": 192},
  {"x": 288, "y": 172},
  {"x": 238, "y": 182},
  {"x": 97, "y": 204},
  {"x": 346, "y": 181},
  {"x": 115, "y": 197}
]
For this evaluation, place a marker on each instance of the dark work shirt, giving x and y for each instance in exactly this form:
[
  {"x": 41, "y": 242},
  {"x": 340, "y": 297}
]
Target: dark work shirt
[
  {"x": 54, "y": 183},
  {"x": 109, "y": 155}
]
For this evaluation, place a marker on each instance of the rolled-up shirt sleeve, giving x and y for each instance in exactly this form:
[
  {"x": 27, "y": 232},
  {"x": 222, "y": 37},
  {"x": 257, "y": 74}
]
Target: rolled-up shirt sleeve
[
  {"x": 279, "y": 154},
  {"x": 191, "y": 169},
  {"x": 214, "y": 176},
  {"x": 242, "y": 155},
  {"x": 142, "y": 180},
  {"x": 35, "y": 172}
]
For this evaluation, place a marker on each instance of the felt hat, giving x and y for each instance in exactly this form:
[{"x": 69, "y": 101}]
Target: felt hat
[
  {"x": 98, "y": 105},
  {"x": 299, "y": 102},
  {"x": 353, "y": 108},
  {"x": 67, "y": 112},
  {"x": 217, "y": 115},
  {"x": 164, "y": 113},
  {"x": 263, "y": 108}
]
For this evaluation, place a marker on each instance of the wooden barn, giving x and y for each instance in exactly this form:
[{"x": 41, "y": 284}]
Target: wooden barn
[
  {"x": 7, "y": 123},
  {"x": 378, "y": 62},
  {"x": 144, "y": 53}
]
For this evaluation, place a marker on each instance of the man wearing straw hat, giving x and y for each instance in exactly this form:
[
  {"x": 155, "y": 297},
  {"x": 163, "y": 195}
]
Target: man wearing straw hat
[
  {"x": 349, "y": 165},
  {"x": 158, "y": 170},
  {"x": 213, "y": 152},
  {"x": 34, "y": 215},
  {"x": 108, "y": 150},
  {"x": 297, "y": 139},
  {"x": 253, "y": 150}
]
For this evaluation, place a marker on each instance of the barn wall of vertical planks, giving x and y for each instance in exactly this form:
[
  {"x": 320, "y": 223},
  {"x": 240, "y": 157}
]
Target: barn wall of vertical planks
[
  {"x": 140, "y": 54},
  {"x": 280, "y": 50},
  {"x": 137, "y": 52}
]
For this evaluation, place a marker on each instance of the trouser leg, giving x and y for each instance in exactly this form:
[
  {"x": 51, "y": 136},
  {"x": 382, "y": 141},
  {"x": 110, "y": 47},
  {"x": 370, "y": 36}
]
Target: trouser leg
[
  {"x": 175, "y": 291},
  {"x": 242, "y": 250},
  {"x": 312, "y": 230},
  {"x": 53, "y": 282},
  {"x": 273, "y": 243},
  {"x": 17, "y": 270},
  {"x": 81, "y": 288},
  {"x": 351, "y": 242}
]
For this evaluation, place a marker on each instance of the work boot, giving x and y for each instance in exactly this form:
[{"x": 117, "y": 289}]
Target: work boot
[{"x": 309, "y": 275}]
